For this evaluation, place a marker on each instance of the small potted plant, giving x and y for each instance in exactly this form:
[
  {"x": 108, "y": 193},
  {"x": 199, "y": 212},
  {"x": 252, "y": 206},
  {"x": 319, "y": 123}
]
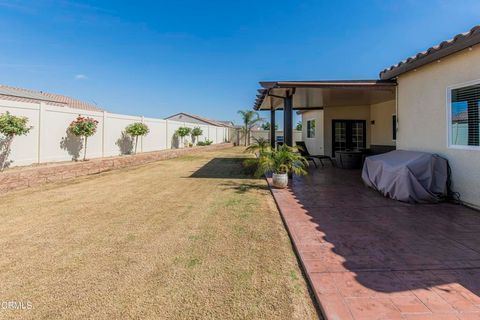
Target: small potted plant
[{"x": 280, "y": 163}]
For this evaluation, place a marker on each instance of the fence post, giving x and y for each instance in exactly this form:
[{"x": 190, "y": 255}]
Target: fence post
[
  {"x": 166, "y": 135},
  {"x": 141, "y": 137},
  {"x": 184, "y": 125},
  {"x": 41, "y": 127},
  {"x": 104, "y": 131}
]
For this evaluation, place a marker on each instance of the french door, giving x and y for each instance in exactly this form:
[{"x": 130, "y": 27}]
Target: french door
[{"x": 348, "y": 135}]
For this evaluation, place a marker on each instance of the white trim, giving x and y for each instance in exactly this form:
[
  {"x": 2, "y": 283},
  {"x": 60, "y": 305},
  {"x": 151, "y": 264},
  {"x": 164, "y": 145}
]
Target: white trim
[{"x": 449, "y": 116}]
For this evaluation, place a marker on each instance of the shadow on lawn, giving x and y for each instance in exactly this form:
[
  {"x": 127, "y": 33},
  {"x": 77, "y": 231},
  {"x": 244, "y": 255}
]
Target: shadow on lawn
[
  {"x": 223, "y": 168},
  {"x": 242, "y": 188}
]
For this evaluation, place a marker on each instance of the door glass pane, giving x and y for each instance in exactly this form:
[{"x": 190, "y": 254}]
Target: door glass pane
[
  {"x": 357, "y": 135},
  {"x": 340, "y": 136}
]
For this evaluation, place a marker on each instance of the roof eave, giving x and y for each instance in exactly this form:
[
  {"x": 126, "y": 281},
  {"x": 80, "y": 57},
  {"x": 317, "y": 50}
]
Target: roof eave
[{"x": 458, "y": 43}]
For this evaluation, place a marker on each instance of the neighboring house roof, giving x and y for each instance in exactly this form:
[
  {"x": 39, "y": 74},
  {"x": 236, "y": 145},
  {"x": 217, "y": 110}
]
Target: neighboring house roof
[
  {"x": 460, "y": 117},
  {"x": 459, "y": 42},
  {"x": 227, "y": 123},
  {"x": 202, "y": 119},
  {"x": 26, "y": 95},
  {"x": 254, "y": 128}
]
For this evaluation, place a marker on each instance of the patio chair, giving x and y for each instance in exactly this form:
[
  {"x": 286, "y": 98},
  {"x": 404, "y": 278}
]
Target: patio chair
[{"x": 302, "y": 148}]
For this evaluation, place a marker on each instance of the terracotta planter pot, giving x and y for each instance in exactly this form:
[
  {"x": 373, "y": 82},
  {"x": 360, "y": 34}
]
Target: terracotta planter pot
[{"x": 280, "y": 180}]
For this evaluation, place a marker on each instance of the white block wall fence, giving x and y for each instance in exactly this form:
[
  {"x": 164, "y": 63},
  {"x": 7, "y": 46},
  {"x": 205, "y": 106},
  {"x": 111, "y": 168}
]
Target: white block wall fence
[{"x": 48, "y": 141}]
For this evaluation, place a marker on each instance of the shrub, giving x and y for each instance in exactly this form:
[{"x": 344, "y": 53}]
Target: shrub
[
  {"x": 196, "y": 132},
  {"x": 299, "y": 126},
  {"x": 11, "y": 126},
  {"x": 182, "y": 132},
  {"x": 250, "y": 166},
  {"x": 83, "y": 127},
  {"x": 135, "y": 130},
  {"x": 267, "y": 126},
  {"x": 204, "y": 143}
]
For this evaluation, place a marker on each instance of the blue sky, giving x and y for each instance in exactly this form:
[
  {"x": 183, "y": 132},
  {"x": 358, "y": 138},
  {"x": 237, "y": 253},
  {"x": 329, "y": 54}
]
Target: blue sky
[{"x": 156, "y": 58}]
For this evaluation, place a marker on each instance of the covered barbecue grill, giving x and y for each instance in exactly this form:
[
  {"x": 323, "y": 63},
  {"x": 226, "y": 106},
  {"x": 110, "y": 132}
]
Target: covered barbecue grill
[{"x": 409, "y": 176}]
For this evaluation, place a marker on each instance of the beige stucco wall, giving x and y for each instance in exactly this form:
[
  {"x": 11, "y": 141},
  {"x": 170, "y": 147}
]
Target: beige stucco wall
[
  {"x": 382, "y": 131},
  {"x": 343, "y": 113},
  {"x": 422, "y": 116},
  {"x": 314, "y": 145}
]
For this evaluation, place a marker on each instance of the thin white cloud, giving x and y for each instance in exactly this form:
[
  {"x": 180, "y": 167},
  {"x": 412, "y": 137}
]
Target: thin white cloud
[
  {"x": 17, "y": 6},
  {"x": 80, "y": 77}
]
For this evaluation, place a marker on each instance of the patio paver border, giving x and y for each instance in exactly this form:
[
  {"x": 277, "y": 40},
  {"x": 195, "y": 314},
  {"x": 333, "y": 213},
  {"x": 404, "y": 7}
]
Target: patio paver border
[{"x": 277, "y": 195}]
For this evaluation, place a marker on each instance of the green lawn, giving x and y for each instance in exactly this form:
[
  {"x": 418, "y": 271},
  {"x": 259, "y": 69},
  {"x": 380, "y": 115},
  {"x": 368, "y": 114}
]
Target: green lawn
[{"x": 188, "y": 238}]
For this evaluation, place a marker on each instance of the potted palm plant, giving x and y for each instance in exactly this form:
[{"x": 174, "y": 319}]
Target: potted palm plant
[{"x": 280, "y": 163}]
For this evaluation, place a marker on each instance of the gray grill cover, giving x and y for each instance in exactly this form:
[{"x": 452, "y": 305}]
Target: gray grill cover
[{"x": 409, "y": 176}]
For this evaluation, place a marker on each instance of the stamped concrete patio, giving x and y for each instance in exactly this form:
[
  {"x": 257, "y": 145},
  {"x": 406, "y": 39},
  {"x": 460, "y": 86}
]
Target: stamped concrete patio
[{"x": 368, "y": 257}]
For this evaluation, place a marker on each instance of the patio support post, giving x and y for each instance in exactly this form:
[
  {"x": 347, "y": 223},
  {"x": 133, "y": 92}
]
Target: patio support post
[
  {"x": 287, "y": 120},
  {"x": 272, "y": 128}
]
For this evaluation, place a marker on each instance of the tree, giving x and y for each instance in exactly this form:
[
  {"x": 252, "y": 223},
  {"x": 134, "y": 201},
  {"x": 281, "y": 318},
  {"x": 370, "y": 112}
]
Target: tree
[
  {"x": 250, "y": 119},
  {"x": 299, "y": 126},
  {"x": 267, "y": 125},
  {"x": 135, "y": 130},
  {"x": 196, "y": 132},
  {"x": 11, "y": 126},
  {"x": 83, "y": 127},
  {"x": 182, "y": 132}
]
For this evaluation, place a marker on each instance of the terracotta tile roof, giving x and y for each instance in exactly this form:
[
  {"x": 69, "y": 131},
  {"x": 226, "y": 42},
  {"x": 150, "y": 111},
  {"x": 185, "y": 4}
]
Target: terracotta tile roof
[
  {"x": 459, "y": 42},
  {"x": 26, "y": 95}
]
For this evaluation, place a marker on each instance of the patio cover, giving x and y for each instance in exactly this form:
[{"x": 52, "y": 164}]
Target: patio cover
[
  {"x": 319, "y": 94},
  {"x": 409, "y": 176}
]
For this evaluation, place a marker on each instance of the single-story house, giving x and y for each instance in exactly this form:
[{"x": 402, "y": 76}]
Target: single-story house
[
  {"x": 428, "y": 102},
  {"x": 26, "y": 95},
  {"x": 192, "y": 118}
]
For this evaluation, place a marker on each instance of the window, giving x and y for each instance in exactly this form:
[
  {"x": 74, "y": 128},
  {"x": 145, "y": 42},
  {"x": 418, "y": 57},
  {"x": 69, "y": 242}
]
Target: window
[
  {"x": 464, "y": 119},
  {"x": 310, "y": 128},
  {"x": 394, "y": 127}
]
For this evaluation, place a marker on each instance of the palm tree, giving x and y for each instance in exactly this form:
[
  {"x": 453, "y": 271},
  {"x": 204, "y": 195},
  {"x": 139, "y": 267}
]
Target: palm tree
[{"x": 250, "y": 118}]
